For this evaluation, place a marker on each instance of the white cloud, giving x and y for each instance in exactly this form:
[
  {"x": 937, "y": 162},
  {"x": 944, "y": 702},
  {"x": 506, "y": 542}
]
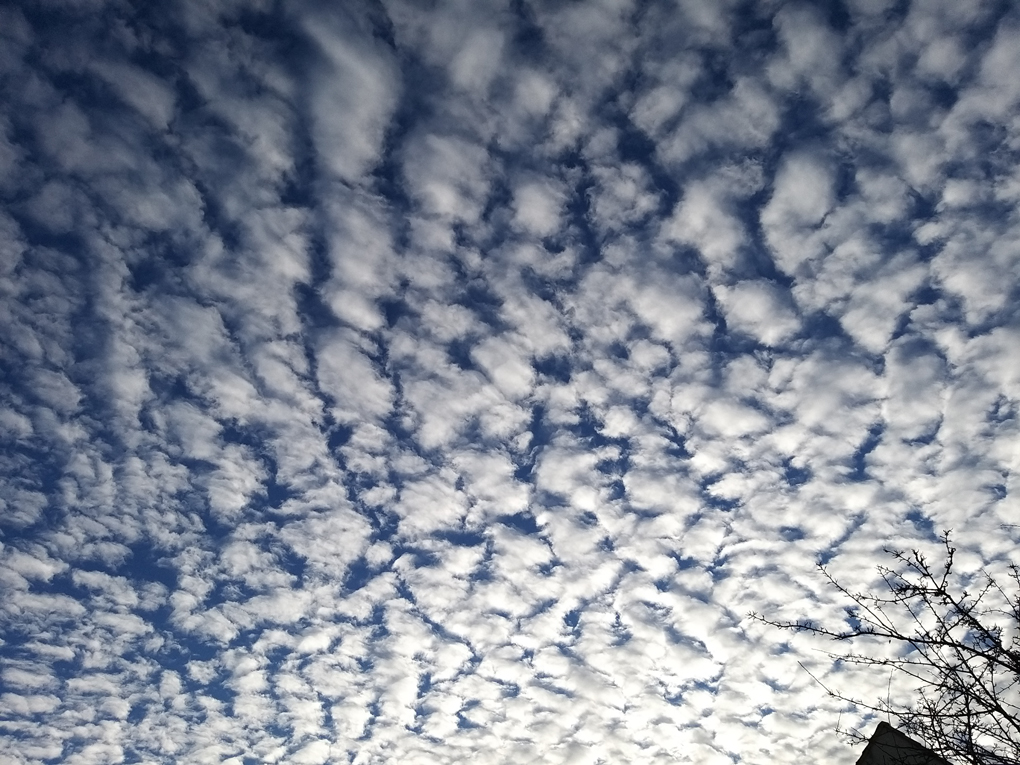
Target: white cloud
[
  {"x": 351, "y": 378},
  {"x": 704, "y": 220},
  {"x": 314, "y": 753},
  {"x": 538, "y": 207},
  {"x": 813, "y": 50},
  {"x": 506, "y": 366},
  {"x": 146, "y": 93},
  {"x": 656, "y": 107},
  {"x": 478, "y": 61},
  {"x": 352, "y": 99},
  {"x": 803, "y": 193},
  {"x": 872, "y": 310},
  {"x": 759, "y": 309},
  {"x": 745, "y": 119}
]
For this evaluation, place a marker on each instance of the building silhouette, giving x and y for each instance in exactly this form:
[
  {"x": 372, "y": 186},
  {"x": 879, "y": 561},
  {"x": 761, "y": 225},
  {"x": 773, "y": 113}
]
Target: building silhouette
[{"x": 889, "y": 746}]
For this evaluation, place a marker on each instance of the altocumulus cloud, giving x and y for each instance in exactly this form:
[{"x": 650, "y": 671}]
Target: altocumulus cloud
[{"x": 429, "y": 383}]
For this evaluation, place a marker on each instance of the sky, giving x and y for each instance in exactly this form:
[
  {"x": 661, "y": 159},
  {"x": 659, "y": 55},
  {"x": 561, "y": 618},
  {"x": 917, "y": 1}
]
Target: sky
[{"x": 387, "y": 381}]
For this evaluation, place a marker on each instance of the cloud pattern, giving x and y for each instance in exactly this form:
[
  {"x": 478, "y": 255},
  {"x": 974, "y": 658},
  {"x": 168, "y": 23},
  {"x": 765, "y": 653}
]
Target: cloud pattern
[{"x": 391, "y": 383}]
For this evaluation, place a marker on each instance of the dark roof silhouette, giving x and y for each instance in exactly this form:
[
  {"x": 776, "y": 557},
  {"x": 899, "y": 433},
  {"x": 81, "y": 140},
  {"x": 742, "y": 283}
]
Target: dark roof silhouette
[{"x": 889, "y": 746}]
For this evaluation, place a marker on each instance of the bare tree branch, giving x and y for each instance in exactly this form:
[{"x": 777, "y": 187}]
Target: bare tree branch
[{"x": 966, "y": 670}]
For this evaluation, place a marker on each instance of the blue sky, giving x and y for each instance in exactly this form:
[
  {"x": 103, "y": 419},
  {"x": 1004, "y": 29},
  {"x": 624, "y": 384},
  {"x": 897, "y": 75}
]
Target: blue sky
[{"x": 400, "y": 382}]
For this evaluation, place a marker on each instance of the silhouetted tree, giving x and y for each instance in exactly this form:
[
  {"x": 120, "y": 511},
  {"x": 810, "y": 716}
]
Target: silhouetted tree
[{"x": 962, "y": 649}]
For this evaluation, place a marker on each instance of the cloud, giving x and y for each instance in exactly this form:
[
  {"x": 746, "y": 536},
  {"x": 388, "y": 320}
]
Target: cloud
[
  {"x": 347, "y": 373},
  {"x": 537, "y": 208},
  {"x": 448, "y": 175},
  {"x": 745, "y": 118},
  {"x": 700, "y": 221},
  {"x": 439, "y": 384},
  {"x": 353, "y": 95},
  {"x": 144, "y": 92},
  {"x": 759, "y": 309},
  {"x": 812, "y": 50},
  {"x": 802, "y": 195},
  {"x": 478, "y": 61}
]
